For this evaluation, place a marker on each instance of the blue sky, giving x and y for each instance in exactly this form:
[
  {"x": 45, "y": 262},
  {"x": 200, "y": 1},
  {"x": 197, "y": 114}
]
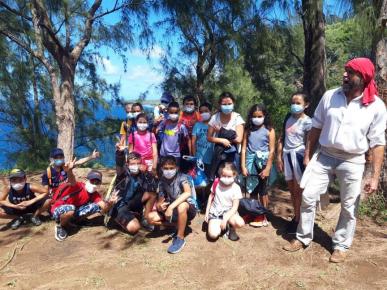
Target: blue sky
[{"x": 145, "y": 73}]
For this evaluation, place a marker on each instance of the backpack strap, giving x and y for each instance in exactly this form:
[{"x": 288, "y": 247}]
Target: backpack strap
[
  {"x": 214, "y": 185},
  {"x": 49, "y": 176}
]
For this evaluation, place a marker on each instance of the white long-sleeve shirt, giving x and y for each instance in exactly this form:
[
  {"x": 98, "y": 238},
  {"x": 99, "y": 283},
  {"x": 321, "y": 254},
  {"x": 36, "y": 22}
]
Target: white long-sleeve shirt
[{"x": 349, "y": 130}]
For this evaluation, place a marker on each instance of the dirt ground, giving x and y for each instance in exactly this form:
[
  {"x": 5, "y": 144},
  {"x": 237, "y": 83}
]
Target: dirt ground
[{"x": 100, "y": 258}]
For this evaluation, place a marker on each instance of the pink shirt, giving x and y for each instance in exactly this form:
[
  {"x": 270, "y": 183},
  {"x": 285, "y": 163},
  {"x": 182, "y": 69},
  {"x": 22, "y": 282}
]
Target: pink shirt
[{"x": 143, "y": 143}]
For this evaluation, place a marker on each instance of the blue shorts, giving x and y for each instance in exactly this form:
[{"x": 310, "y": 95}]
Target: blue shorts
[{"x": 82, "y": 211}]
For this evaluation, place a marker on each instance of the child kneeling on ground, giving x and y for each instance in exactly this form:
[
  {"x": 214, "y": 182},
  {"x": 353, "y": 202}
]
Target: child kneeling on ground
[
  {"x": 74, "y": 201},
  {"x": 175, "y": 203},
  {"x": 222, "y": 206}
]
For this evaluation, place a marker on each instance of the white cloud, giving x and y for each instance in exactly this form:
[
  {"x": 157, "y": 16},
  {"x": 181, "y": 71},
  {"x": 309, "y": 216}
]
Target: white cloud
[
  {"x": 154, "y": 52},
  {"x": 109, "y": 68},
  {"x": 145, "y": 74}
]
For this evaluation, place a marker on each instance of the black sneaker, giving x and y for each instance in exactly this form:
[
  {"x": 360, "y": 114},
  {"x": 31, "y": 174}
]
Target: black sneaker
[
  {"x": 291, "y": 227},
  {"x": 60, "y": 233},
  {"x": 17, "y": 222},
  {"x": 232, "y": 235},
  {"x": 36, "y": 221}
]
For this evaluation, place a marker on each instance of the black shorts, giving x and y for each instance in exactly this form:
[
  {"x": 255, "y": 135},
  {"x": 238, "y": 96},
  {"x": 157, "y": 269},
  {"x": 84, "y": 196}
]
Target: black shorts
[
  {"x": 28, "y": 210},
  {"x": 191, "y": 213},
  {"x": 124, "y": 215}
]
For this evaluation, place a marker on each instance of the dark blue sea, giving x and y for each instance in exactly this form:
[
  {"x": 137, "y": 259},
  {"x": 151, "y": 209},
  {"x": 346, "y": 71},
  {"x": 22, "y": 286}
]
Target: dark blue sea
[{"x": 105, "y": 146}]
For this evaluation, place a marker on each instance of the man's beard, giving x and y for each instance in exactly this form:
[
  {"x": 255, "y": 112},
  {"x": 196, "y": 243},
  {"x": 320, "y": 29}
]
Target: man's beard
[{"x": 352, "y": 86}]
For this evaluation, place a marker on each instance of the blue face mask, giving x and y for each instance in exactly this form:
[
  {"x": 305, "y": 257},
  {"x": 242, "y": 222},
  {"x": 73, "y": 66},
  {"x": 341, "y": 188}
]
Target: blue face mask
[
  {"x": 227, "y": 109},
  {"x": 59, "y": 162},
  {"x": 296, "y": 109}
]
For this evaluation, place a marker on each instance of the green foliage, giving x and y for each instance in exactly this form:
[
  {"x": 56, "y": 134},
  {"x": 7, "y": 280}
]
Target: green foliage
[
  {"x": 235, "y": 79},
  {"x": 374, "y": 207}
]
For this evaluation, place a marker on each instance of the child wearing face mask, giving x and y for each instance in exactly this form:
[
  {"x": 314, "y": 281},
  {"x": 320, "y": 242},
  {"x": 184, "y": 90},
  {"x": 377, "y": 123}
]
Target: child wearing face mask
[
  {"x": 257, "y": 155},
  {"x": 22, "y": 198},
  {"x": 172, "y": 134},
  {"x": 130, "y": 125},
  {"x": 144, "y": 143},
  {"x": 136, "y": 192},
  {"x": 223, "y": 202},
  {"x": 189, "y": 116},
  {"x": 225, "y": 131},
  {"x": 175, "y": 204},
  {"x": 74, "y": 201},
  {"x": 55, "y": 174},
  {"x": 201, "y": 148},
  {"x": 290, "y": 152}
]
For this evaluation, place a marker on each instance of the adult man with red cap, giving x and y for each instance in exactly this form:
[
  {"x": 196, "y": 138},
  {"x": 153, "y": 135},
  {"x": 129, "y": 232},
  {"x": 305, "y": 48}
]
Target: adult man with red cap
[{"x": 348, "y": 122}]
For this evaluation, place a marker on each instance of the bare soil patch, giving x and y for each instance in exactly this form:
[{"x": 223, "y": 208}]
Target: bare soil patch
[{"x": 100, "y": 258}]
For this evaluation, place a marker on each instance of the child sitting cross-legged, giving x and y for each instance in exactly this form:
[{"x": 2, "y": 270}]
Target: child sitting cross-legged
[
  {"x": 222, "y": 206},
  {"x": 175, "y": 204}
]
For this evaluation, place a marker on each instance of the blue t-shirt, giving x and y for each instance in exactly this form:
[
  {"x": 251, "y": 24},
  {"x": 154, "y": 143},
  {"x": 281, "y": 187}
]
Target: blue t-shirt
[{"x": 204, "y": 149}]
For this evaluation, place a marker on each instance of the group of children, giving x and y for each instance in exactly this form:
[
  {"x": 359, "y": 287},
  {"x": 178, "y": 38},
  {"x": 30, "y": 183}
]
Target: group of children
[{"x": 153, "y": 186}]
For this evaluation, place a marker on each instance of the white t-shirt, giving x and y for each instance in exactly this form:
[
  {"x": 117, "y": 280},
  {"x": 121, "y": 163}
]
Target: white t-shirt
[
  {"x": 236, "y": 119},
  {"x": 296, "y": 130},
  {"x": 224, "y": 197},
  {"x": 349, "y": 128}
]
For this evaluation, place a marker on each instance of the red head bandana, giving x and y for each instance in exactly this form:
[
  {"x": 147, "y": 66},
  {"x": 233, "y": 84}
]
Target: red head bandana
[{"x": 366, "y": 69}]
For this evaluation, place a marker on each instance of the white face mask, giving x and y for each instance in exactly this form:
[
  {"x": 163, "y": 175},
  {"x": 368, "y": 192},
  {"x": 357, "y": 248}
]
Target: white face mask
[
  {"x": 142, "y": 126},
  {"x": 227, "y": 180},
  {"x": 205, "y": 116},
  {"x": 18, "y": 186},
  {"x": 134, "y": 168},
  {"x": 258, "y": 121},
  {"x": 173, "y": 117},
  {"x": 91, "y": 188},
  {"x": 168, "y": 174}
]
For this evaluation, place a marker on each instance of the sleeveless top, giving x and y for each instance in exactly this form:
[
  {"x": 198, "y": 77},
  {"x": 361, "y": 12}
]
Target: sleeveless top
[
  {"x": 16, "y": 198},
  {"x": 258, "y": 140}
]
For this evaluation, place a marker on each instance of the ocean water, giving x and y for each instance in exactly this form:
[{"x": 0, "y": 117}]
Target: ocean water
[{"x": 105, "y": 146}]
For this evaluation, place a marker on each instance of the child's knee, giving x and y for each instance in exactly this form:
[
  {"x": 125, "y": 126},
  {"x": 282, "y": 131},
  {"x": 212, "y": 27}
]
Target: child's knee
[
  {"x": 213, "y": 233},
  {"x": 214, "y": 229},
  {"x": 133, "y": 226},
  {"x": 67, "y": 215},
  {"x": 182, "y": 208},
  {"x": 153, "y": 217}
]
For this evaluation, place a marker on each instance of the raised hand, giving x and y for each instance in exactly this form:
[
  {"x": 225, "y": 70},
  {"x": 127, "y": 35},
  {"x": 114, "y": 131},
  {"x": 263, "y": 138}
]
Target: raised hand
[
  {"x": 120, "y": 147},
  {"x": 69, "y": 165},
  {"x": 114, "y": 198},
  {"x": 95, "y": 154}
]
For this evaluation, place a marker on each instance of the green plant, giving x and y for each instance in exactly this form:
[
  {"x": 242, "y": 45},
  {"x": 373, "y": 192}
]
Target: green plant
[{"x": 375, "y": 208}]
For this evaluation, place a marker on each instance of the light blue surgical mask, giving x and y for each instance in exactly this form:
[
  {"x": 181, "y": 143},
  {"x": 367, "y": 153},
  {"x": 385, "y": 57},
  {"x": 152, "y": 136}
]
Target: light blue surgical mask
[
  {"x": 227, "y": 109},
  {"x": 129, "y": 116},
  {"x": 296, "y": 109},
  {"x": 58, "y": 162},
  {"x": 189, "y": 109},
  {"x": 169, "y": 173}
]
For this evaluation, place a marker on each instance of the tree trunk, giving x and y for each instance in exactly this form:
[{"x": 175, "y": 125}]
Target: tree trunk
[
  {"x": 381, "y": 80},
  {"x": 65, "y": 111},
  {"x": 314, "y": 57},
  {"x": 200, "y": 89},
  {"x": 64, "y": 107}
]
